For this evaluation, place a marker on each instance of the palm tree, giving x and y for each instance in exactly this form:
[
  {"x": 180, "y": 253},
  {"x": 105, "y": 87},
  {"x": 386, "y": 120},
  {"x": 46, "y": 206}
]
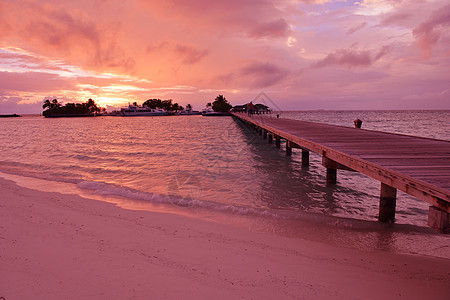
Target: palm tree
[
  {"x": 220, "y": 98},
  {"x": 221, "y": 104},
  {"x": 47, "y": 103},
  {"x": 51, "y": 104},
  {"x": 92, "y": 106}
]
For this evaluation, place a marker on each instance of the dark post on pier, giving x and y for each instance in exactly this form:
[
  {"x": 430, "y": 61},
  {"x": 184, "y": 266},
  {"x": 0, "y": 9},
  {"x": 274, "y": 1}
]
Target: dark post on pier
[{"x": 415, "y": 165}]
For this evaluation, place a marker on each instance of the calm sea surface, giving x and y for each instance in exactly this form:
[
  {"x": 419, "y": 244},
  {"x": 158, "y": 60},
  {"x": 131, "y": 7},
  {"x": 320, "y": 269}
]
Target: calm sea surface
[{"x": 211, "y": 167}]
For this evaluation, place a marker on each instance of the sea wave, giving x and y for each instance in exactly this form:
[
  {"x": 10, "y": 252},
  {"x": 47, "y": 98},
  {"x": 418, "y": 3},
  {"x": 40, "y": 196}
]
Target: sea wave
[{"x": 109, "y": 189}]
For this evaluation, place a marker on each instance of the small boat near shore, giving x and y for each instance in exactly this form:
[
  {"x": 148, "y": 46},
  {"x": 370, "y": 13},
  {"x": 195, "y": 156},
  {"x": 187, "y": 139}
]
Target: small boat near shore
[
  {"x": 189, "y": 112},
  {"x": 209, "y": 112},
  {"x": 132, "y": 111}
]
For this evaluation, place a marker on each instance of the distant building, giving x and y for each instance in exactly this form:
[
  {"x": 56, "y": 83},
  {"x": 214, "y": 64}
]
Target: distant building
[
  {"x": 239, "y": 108},
  {"x": 261, "y": 109},
  {"x": 257, "y": 109}
]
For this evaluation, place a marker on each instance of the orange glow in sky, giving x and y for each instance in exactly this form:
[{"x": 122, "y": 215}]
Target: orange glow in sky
[{"x": 304, "y": 54}]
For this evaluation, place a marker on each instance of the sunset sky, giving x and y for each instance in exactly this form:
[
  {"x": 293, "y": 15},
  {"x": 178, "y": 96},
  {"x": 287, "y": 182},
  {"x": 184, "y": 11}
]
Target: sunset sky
[{"x": 303, "y": 54}]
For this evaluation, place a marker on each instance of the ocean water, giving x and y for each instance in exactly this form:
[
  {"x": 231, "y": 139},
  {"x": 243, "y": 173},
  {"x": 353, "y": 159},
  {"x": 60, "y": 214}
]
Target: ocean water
[{"x": 213, "y": 168}]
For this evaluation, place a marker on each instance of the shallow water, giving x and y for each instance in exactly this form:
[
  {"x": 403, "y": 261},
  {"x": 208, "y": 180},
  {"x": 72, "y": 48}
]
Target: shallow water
[{"x": 219, "y": 170}]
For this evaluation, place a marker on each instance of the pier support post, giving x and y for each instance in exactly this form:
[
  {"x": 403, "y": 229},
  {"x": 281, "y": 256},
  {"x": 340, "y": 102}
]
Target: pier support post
[
  {"x": 260, "y": 131},
  {"x": 289, "y": 146},
  {"x": 288, "y": 150},
  {"x": 388, "y": 199},
  {"x": 439, "y": 219},
  {"x": 270, "y": 137},
  {"x": 305, "y": 157},
  {"x": 264, "y": 134},
  {"x": 277, "y": 141},
  {"x": 331, "y": 170}
]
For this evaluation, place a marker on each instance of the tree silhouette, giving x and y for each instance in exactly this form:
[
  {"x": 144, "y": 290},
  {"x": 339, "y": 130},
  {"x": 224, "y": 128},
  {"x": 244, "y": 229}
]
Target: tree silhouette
[
  {"x": 55, "y": 108},
  {"x": 164, "y": 104},
  {"x": 51, "y": 104},
  {"x": 92, "y": 106},
  {"x": 221, "y": 104}
]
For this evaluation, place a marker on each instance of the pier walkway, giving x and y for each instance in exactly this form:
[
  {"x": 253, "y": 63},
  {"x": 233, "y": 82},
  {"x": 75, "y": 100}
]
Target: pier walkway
[{"x": 417, "y": 166}]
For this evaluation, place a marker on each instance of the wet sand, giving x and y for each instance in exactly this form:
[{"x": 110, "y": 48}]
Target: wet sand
[{"x": 57, "y": 246}]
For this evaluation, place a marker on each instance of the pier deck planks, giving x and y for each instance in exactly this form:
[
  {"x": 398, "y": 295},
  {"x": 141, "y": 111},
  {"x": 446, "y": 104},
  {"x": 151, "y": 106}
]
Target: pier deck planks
[{"x": 415, "y": 165}]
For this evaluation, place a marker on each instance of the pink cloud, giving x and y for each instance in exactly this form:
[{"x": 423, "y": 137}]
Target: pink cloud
[
  {"x": 397, "y": 18},
  {"x": 27, "y": 62},
  {"x": 158, "y": 47},
  {"x": 277, "y": 28},
  {"x": 262, "y": 75},
  {"x": 53, "y": 30},
  {"x": 190, "y": 54},
  {"x": 429, "y": 32},
  {"x": 351, "y": 58},
  {"x": 10, "y": 105},
  {"x": 356, "y": 28},
  {"x": 248, "y": 18},
  {"x": 33, "y": 82}
]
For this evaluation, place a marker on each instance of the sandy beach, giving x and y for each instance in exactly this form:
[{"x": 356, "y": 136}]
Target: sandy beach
[{"x": 57, "y": 246}]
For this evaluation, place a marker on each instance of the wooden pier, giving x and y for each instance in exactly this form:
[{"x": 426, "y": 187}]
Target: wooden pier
[{"x": 417, "y": 166}]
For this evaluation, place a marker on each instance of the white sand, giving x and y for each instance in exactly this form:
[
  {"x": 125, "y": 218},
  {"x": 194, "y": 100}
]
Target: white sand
[{"x": 55, "y": 246}]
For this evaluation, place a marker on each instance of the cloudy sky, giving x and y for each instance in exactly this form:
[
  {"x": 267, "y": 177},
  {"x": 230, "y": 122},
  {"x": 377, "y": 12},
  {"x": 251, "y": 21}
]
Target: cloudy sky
[{"x": 303, "y": 54}]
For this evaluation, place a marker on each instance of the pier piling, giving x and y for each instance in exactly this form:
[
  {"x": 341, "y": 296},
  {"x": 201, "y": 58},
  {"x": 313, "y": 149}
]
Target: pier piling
[
  {"x": 289, "y": 146},
  {"x": 277, "y": 141},
  {"x": 288, "y": 150},
  {"x": 439, "y": 219},
  {"x": 388, "y": 197},
  {"x": 305, "y": 157},
  {"x": 331, "y": 166}
]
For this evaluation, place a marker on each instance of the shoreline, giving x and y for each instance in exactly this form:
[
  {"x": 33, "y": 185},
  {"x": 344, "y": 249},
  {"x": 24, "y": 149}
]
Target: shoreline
[{"x": 56, "y": 246}]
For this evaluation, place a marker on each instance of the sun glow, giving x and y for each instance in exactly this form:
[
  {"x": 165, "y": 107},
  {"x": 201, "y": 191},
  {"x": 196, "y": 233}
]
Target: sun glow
[
  {"x": 121, "y": 88},
  {"x": 111, "y": 101}
]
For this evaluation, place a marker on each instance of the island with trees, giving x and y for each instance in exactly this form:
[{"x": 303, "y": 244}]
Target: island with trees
[
  {"x": 54, "y": 109},
  {"x": 151, "y": 107},
  {"x": 10, "y": 116}
]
